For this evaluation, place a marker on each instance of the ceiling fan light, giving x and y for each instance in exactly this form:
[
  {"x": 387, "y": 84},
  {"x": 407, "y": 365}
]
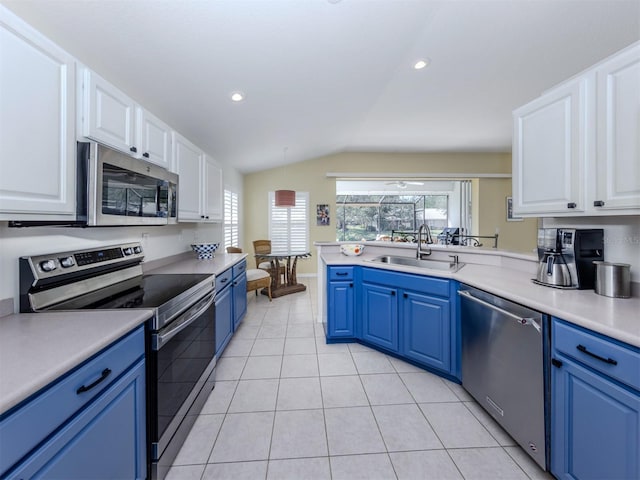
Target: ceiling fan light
[{"x": 285, "y": 198}]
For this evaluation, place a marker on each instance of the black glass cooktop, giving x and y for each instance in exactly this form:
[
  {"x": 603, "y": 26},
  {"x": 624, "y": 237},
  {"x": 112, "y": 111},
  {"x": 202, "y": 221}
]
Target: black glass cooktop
[{"x": 146, "y": 291}]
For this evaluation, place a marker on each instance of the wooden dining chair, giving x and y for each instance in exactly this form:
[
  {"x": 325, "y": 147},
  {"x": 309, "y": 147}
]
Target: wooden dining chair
[
  {"x": 234, "y": 250},
  {"x": 264, "y": 246}
]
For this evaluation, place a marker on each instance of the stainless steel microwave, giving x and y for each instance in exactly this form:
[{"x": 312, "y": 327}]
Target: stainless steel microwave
[{"x": 115, "y": 189}]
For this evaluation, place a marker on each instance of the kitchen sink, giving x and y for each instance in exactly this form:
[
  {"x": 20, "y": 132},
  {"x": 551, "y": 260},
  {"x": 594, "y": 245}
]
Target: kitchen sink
[{"x": 441, "y": 265}]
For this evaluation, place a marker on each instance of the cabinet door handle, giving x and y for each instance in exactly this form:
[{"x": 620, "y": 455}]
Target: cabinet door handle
[
  {"x": 145, "y": 154},
  {"x": 85, "y": 388},
  {"x": 405, "y": 295},
  {"x": 571, "y": 205},
  {"x": 598, "y": 203},
  {"x": 556, "y": 363},
  {"x": 610, "y": 361},
  {"x": 351, "y": 285},
  {"x": 393, "y": 293},
  {"x": 133, "y": 149}
]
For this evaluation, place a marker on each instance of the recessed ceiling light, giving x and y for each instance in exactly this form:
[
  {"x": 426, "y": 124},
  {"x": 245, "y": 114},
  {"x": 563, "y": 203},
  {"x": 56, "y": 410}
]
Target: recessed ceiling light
[
  {"x": 237, "y": 96},
  {"x": 420, "y": 64}
]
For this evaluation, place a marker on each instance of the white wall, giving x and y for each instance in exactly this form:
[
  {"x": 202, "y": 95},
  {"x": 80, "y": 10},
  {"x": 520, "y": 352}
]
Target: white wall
[{"x": 621, "y": 237}]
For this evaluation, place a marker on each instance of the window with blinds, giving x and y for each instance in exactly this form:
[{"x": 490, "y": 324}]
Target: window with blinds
[
  {"x": 231, "y": 234},
  {"x": 289, "y": 226}
]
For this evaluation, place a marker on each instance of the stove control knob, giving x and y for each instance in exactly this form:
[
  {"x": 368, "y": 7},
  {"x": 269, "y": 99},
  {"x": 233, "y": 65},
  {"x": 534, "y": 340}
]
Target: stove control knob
[
  {"x": 67, "y": 262},
  {"x": 137, "y": 249},
  {"x": 128, "y": 251},
  {"x": 48, "y": 265}
]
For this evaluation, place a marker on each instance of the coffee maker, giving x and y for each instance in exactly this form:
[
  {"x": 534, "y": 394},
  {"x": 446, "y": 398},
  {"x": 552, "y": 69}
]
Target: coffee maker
[{"x": 566, "y": 257}]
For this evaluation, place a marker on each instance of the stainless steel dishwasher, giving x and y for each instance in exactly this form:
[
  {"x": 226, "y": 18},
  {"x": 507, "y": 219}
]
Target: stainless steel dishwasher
[{"x": 504, "y": 347}]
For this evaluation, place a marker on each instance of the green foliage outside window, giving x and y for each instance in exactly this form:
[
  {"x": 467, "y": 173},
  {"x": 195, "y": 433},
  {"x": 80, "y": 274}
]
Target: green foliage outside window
[{"x": 370, "y": 217}]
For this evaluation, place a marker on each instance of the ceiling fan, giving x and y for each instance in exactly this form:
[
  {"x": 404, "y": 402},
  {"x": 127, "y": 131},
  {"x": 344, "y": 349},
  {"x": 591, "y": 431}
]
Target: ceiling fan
[{"x": 402, "y": 184}]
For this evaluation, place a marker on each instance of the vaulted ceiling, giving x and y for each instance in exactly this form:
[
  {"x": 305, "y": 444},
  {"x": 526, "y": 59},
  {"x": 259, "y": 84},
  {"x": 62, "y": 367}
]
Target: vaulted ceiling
[{"x": 325, "y": 76}]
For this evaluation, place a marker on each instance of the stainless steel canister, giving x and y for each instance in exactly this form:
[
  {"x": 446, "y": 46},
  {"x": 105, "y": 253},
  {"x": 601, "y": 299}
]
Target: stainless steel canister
[{"x": 613, "y": 279}]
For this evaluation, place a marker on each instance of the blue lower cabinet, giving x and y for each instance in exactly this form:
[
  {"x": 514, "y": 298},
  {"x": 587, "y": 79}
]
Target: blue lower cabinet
[
  {"x": 595, "y": 426},
  {"x": 595, "y": 405},
  {"x": 106, "y": 440},
  {"x": 411, "y": 316},
  {"x": 380, "y": 316},
  {"x": 239, "y": 299},
  {"x": 426, "y": 322},
  {"x": 224, "y": 318},
  {"x": 340, "y": 310}
]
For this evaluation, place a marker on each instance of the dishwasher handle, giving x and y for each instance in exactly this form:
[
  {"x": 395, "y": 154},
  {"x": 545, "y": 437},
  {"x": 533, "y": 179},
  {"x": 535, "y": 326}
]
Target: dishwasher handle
[{"x": 521, "y": 320}]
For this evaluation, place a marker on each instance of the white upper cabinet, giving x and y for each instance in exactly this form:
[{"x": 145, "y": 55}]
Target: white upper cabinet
[
  {"x": 154, "y": 139},
  {"x": 187, "y": 163},
  {"x": 576, "y": 149},
  {"x": 37, "y": 125},
  {"x": 618, "y": 132},
  {"x": 212, "y": 206},
  {"x": 549, "y": 151},
  {"x": 199, "y": 183},
  {"x": 108, "y": 115}
]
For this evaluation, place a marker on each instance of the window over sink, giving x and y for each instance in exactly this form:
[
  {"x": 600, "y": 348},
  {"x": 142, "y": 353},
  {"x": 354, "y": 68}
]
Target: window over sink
[{"x": 386, "y": 210}]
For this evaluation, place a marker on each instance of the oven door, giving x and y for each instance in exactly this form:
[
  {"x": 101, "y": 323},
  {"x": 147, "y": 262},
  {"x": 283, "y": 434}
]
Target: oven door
[{"x": 181, "y": 366}]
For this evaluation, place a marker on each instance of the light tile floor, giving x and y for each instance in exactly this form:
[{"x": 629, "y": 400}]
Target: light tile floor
[{"x": 288, "y": 406}]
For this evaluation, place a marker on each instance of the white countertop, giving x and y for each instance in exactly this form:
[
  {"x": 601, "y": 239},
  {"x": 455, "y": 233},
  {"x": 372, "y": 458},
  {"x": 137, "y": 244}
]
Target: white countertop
[
  {"x": 617, "y": 318},
  {"x": 190, "y": 264},
  {"x": 37, "y": 348}
]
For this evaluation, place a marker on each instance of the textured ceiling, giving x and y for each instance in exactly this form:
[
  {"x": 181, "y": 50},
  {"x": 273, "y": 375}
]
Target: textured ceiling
[{"x": 322, "y": 77}]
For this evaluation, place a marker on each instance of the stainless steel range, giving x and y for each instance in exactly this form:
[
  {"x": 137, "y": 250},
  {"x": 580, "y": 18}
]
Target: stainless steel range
[{"x": 180, "y": 335}]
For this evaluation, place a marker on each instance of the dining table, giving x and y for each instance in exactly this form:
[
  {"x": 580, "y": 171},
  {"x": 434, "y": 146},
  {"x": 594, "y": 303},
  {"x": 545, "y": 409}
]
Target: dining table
[{"x": 289, "y": 259}]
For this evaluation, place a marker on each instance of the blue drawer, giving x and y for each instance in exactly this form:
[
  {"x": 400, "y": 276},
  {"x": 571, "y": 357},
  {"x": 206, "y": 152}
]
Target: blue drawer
[
  {"x": 340, "y": 273},
  {"x": 239, "y": 268},
  {"x": 582, "y": 345},
  {"x": 32, "y": 423},
  {"x": 408, "y": 281},
  {"x": 224, "y": 279}
]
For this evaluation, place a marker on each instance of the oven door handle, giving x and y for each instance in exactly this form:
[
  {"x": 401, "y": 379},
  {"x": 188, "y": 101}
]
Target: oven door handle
[{"x": 188, "y": 317}]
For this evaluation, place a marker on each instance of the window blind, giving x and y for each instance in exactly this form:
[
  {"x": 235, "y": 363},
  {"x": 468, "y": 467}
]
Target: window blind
[
  {"x": 289, "y": 226},
  {"x": 231, "y": 227}
]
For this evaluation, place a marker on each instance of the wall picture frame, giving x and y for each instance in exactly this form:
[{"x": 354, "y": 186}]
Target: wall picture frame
[{"x": 322, "y": 215}]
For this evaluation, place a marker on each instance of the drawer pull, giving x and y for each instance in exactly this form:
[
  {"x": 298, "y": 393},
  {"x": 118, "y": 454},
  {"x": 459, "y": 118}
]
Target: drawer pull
[
  {"x": 610, "y": 361},
  {"x": 342, "y": 274},
  {"x": 105, "y": 373}
]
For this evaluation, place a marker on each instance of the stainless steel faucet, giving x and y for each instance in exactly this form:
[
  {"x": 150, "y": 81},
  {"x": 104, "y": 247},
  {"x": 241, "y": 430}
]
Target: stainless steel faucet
[{"x": 419, "y": 251}]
